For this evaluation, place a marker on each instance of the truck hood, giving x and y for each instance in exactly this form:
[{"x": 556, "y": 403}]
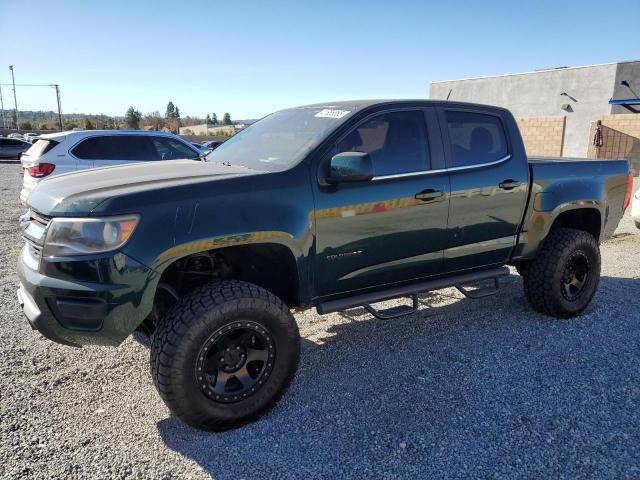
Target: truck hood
[{"x": 80, "y": 192}]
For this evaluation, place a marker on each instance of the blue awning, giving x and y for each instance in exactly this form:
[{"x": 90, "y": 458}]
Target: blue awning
[{"x": 627, "y": 103}]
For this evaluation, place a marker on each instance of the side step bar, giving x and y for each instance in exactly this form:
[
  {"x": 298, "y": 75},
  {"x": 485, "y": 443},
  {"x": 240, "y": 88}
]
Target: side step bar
[{"x": 457, "y": 281}]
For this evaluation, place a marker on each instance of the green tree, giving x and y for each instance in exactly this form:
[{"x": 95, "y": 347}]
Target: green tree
[
  {"x": 26, "y": 125},
  {"x": 43, "y": 126},
  {"x": 171, "y": 111},
  {"x": 132, "y": 118},
  {"x": 88, "y": 125},
  {"x": 176, "y": 114},
  {"x": 226, "y": 120},
  {"x": 214, "y": 119},
  {"x": 207, "y": 120}
]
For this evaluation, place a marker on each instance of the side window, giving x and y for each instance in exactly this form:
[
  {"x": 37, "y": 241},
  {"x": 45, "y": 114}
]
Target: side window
[
  {"x": 170, "y": 149},
  {"x": 133, "y": 147},
  {"x": 476, "y": 138},
  {"x": 395, "y": 141},
  {"x": 115, "y": 147},
  {"x": 87, "y": 149}
]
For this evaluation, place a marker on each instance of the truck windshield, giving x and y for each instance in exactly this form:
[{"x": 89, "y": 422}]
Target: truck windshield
[{"x": 281, "y": 139}]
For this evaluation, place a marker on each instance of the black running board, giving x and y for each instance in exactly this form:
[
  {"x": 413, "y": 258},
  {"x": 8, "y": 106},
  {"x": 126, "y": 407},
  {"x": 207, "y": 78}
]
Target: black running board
[{"x": 457, "y": 281}]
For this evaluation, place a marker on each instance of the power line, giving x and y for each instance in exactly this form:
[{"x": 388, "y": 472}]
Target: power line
[{"x": 53, "y": 85}]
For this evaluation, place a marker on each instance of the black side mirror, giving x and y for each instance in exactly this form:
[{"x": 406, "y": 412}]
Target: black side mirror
[{"x": 348, "y": 167}]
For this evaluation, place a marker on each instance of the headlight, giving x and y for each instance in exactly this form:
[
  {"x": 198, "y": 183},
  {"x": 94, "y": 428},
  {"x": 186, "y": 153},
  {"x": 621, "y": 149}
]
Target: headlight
[{"x": 81, "y": 236}]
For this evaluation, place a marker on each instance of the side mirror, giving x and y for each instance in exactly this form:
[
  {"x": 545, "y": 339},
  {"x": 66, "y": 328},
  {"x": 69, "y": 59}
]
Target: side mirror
[{"x": 347, "y": 167}]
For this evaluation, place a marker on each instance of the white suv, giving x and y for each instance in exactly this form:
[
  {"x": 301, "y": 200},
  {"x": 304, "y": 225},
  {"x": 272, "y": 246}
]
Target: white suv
[{"x": 65, "y": 152}]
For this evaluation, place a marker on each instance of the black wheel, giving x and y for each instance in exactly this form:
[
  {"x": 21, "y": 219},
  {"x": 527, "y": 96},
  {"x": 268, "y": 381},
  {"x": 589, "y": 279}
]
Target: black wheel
[
  {"x": 224, "y": 354},
  {"x": 637, "y": 224},
  {"x": 563, "y": 278}
]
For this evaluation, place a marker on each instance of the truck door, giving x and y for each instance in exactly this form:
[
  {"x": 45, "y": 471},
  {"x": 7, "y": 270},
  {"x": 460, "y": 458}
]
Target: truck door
[
  {"x": 489, "y": 184},
  {"x": 393, "y": 228}
]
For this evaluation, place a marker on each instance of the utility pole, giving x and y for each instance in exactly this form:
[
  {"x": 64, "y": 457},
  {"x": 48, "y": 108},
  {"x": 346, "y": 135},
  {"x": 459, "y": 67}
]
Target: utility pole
[
  {"x": 59, "y": 107},
  {"x": 15, "y": 102},
  {"x": 4, "y": 119}
]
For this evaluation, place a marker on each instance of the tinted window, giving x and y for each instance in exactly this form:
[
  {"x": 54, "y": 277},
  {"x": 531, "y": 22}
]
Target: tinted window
[
  {"x": 396, "y": 142},
  {"x": 170, "y": 149},
  {"x": 10, "y": 142},
  {"x": 475, "y": 138},
  {"x": 116, "y": 147}
]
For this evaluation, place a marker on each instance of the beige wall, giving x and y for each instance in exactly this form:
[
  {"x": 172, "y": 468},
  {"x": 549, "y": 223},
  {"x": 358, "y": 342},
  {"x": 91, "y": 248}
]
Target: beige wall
[
  {"x": 542, "y": 136},
  {"x": 620, "y": 139}
]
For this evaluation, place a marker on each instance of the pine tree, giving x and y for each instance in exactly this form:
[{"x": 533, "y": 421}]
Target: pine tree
[
  {"x": 132, "y": 118},
  {"x": 171, "y": 111},
  {"x": 214, "y": 119},
  {"x": 226, "y": 120}
]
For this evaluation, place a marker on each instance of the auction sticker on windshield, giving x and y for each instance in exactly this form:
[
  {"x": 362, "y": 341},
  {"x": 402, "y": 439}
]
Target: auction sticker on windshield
[{"x": 329, "y": 113}]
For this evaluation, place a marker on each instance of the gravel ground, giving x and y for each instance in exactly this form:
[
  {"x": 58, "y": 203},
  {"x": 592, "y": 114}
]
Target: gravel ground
[{"x": 465, "y": 389}]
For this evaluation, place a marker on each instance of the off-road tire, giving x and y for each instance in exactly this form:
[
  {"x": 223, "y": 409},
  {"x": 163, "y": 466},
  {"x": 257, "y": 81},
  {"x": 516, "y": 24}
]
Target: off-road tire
[
  {"x": 185, "y": 330},
  {"x": 543, "y": 279}
]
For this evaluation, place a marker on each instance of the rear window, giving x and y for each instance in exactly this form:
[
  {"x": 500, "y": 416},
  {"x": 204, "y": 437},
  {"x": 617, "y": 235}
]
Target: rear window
[
  {"x": 40, "y": 147},
  {"x": 476, "y": 138}
]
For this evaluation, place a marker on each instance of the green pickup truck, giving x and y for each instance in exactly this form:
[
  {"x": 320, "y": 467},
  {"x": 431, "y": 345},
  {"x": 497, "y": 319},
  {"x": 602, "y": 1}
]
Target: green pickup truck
[{"x": 331, "y": 206}]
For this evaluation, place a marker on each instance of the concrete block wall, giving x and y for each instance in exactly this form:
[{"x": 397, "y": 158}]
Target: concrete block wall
[
  {"x": 542, "y": 136},
  {"x": 620, "y": 139}
]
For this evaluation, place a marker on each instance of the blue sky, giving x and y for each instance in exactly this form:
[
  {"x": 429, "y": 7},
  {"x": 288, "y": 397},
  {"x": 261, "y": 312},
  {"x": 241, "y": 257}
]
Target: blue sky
[{"x": 250, "y": 58}]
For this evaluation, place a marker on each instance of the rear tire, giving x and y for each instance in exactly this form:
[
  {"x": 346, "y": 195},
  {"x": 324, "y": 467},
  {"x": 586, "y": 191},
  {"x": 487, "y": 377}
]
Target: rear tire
[
  {"x": 224, "y": 355},
  {"x": 563, "y": 278}
]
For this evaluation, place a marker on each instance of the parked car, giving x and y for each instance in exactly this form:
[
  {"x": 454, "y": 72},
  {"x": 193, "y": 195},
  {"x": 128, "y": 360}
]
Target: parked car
[
  {"x": 635, "y": 208},
  {"x": 211, "y": 145},
  {"x": 327, "y": 206},
  {"x": 19, "y": 136},
  {"x": 13, "y": 147},
  {"x": 29, "y": 137},
  {"x": 56, "y": 153}
]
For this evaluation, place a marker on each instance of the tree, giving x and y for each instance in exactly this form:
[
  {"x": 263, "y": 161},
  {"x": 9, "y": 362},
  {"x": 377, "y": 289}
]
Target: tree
[
  {"x": 176, "y": 114},
  {"x": 88, "y": 125},
  {"x": 26, "y": 125},
  {"x": 226, "y": 120},
  {"x": 207, "y": 120},
  {"x": 43, "y": 126},
  {"x": 214, "y": 119},
  {"x": 132, "y": 118},
  {"x": 171, "y": 111}
]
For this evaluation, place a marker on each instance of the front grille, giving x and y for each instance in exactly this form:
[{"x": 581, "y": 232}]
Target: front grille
[
  {"x": 42, "y": 220},
  {"x": 35, "y": 245},
  {"x": 34, "y": 249}
]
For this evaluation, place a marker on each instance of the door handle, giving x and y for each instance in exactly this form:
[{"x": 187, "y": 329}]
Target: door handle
[
  {"x": 428, "y": 195},
  {"x": 509, "y": 184}
]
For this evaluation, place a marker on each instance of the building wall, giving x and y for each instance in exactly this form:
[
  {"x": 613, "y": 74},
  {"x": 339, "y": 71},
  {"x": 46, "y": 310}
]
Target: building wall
[
  {"x": 620, "y": 139},
  {"x": 542, "y": 136},
  {"x": 538, "y": 94}
]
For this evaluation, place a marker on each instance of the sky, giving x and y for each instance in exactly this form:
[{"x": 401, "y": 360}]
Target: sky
[{"x": 250, "y": 58}]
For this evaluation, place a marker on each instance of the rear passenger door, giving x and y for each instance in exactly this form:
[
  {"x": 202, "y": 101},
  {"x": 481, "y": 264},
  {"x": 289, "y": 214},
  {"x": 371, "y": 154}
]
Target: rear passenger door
[
  {"x": 489, "y": 180},
  {"x": 109, "y": 150}
]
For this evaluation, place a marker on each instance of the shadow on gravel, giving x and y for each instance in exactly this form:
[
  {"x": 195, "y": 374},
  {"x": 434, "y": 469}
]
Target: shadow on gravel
[{"x": 477, "y": 388}]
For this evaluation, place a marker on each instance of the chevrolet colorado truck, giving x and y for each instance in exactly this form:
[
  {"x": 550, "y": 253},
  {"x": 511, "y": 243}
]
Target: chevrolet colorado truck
[{"x": 330, "y": 206}]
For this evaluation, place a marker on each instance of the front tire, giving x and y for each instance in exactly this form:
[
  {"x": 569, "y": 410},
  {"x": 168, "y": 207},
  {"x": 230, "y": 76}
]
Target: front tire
[
  {"x": 563, "y": 278},
  {"x": 224, "y": 355}
]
